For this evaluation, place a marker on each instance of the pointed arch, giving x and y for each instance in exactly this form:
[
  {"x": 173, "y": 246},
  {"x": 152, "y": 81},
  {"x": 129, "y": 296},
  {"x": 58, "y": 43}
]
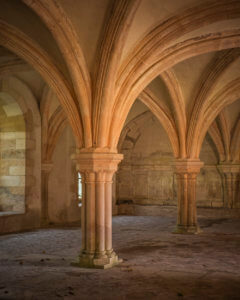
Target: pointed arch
[
  {"x": 227, "y": 95},
  {"x": 209, "y": 79},
  {"x": 63, "y": 32},
  {"x": 235, "y": 142},
  {"x": 133, "y": 125},
  {"x": 23, "y": 95},
  {"x": 57, "y": 124},
  {"x": 115, "y": 34},
  {"x": 44, "y": 109},
  {"x": 159, "y": 38},
  {"x": 216, "y": 136},
  {"x": 163, "y": 115},
  {"x": 169, "y": 57},
  {"x": 12, "y": 66},
  {"x": 23, "y": 46},
  {"x": 178, "y": 106},
  {"x": 225, "y": 130}
]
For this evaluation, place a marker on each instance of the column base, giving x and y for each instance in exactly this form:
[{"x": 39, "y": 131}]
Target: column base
[
  {"x": 44, "y": 223},
  {"x": 182, "y": 229},
  {"x": 90, "y": 261}
]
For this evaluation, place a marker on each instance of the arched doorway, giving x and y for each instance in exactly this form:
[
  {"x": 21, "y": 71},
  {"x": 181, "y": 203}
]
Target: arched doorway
[
  {"x": 13, "y": 155},
  {"x": 21, "y": 159}
]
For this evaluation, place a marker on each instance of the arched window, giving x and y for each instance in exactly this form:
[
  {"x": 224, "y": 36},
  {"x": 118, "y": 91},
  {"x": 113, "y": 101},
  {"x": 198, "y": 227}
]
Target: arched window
[
  {"x": 12, "y": 156},
  {"x": 79, "y": 189}
]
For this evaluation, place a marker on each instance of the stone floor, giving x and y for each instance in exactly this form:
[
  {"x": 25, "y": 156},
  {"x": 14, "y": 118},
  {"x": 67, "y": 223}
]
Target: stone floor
[{"x": 157, "y": 264}]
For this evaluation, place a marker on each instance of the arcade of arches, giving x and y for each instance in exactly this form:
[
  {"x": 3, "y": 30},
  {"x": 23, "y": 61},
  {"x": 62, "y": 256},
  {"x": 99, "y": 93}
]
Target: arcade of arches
[{"x": 134, "y": 104}]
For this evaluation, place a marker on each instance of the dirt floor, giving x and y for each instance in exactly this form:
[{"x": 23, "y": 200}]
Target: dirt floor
[{"x": 157, "y": 264}]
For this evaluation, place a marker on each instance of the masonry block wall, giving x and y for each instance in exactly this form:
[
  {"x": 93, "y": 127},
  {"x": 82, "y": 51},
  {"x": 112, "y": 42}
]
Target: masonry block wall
[
  {"x": 12, "y": 176},
  {"x": 12, "y": 155},
  {"x": 63, "y": 201},
  {"x": 209, "y": 181},
  {"x": 145, "y": 177}
]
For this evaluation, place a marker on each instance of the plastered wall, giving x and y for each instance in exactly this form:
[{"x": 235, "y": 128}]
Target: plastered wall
[{"x": 145, "y": 177}]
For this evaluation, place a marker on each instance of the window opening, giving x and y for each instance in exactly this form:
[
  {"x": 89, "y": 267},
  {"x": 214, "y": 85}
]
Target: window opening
[
  {"x": 79, "y": 189},
  {"x": 12, "y": 156}
]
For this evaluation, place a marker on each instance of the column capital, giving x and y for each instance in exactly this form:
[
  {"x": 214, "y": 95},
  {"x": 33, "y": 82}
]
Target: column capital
[
  {"x": 230, "y": 172},
  {"x": 229, "y": 167},
  {"x": 183, "y": 166},
  {"x": 187, "y": 170},
  {"x": 97, "y": 161},
  {"x": 47, "y": 166},
  {"x": 97, "y": 167}
]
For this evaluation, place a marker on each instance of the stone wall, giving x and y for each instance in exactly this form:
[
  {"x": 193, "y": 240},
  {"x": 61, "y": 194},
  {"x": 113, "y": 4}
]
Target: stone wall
[
  {"x": 63, "y": 201},
  {"x": 21, "y": 135},
  {"x": 145, "y": 176},
  {"x": 12, "y": 172},
  {"x": 209, "y": 181},
  {"x": 12, "y": 155}
]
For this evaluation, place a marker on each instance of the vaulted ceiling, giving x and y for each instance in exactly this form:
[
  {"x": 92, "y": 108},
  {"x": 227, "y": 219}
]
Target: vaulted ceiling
[{"x": 179, "y": 58}]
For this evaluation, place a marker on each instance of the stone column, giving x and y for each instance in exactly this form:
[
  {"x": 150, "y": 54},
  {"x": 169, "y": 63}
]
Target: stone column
[
  {"x": 97, "y": 170},
  {"x": 46, "y": 169},
  {"x": 186, "y": 171},
  {"x": 231, "y": 184}
]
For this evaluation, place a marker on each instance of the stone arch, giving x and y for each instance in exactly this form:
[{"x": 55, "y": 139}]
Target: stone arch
[
  {"x": 44, "y": 110},
  {"x": 178, "y": 106},
  {"x": 134, "y": 85},
  {"x": 57, "y": 124},
  {"x": 23, "y": 46},
  {"x": 215, "y": 135},
  {"x": 157, "y": 40},
  {"x": 209, "y": 78},
  {"x": 227, "y": 95},
  {"x": 52, "y": 126},
  {"x": 64, "y": 33},
  {"x": 163, "y": 114},
  {"x": 145, "y": 175},
  {"x": 121, "y": 15},
  {"x": 24, "y": 97},
  {"x": 235, "y": 142},
  {"x": 175, "y": 26},
  {"x": 133, "y": 127}
]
